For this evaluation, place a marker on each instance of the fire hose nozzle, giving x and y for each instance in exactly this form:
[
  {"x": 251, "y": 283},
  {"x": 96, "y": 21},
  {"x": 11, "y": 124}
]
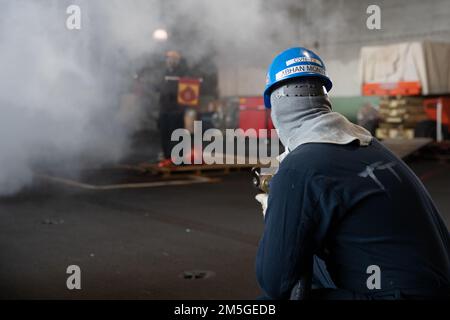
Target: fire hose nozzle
[{"x": 261, "y": 180}]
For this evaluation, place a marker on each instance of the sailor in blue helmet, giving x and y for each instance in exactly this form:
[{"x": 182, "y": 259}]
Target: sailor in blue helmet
[{"x": 345, "y": 218}]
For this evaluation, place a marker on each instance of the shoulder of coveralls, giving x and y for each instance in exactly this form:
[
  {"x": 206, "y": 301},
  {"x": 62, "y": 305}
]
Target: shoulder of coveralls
[
  {"x": 315, "y": 164},
  {"x": 307, "y": 164},
  {"x": 309, "y": 157}
]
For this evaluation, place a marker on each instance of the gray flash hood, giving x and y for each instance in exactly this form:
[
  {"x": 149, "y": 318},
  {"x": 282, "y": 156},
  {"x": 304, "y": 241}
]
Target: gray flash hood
[{"x": 301, "y": 117}]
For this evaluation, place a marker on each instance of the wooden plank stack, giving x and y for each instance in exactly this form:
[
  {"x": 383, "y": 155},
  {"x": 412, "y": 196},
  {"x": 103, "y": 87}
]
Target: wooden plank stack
[{"x": 399, "y": 116}]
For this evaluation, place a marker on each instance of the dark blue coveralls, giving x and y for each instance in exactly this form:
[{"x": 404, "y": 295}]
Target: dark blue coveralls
[{"x": 347, "y": 208}]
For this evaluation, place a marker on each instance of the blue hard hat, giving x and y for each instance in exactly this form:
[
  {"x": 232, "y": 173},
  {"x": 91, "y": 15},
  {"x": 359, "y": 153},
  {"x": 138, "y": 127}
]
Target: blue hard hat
[{"x": 294, "y": 63}]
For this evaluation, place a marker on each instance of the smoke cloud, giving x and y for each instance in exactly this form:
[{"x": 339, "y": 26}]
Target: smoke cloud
[{"x": 60, "y": 89}]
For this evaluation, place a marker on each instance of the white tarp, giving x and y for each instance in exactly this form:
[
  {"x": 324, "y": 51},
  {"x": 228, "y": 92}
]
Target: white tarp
[{"x": 426, "y": 62}]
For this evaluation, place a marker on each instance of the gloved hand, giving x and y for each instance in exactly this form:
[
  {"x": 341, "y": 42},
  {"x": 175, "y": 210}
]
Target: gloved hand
[{"x": 262, "y": 198}]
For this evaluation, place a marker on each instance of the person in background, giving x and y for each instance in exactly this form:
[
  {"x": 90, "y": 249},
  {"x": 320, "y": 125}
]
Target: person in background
[{"x": 171, "y": 115}]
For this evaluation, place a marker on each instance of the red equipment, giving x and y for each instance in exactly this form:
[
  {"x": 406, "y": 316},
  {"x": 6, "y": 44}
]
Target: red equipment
[
  {"x": 253, "y": 115},
  {"x": 432, "y": 106}
]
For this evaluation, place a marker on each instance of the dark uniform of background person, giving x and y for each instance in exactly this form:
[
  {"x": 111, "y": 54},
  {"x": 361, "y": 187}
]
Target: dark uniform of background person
[
  {"x": 171, "y": 115},
  {"x": 337, "y": 209}
]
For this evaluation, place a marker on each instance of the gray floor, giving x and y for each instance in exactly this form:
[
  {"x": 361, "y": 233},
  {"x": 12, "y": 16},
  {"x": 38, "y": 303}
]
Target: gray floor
[{"x": 137, "y": 243}]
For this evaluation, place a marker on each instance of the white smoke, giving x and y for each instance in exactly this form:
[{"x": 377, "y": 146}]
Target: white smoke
[{"x": 60, "y": 89}]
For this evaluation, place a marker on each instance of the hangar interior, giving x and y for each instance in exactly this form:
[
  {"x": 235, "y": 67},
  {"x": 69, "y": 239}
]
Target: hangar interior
[{"x": 81, "y": 180}]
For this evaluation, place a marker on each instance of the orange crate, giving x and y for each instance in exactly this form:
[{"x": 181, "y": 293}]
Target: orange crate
[{"x": 403, "y": 88}]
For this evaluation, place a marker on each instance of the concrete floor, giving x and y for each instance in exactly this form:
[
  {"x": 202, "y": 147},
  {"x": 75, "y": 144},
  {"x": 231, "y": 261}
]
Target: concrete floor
[{"x": 136, "y": 243}]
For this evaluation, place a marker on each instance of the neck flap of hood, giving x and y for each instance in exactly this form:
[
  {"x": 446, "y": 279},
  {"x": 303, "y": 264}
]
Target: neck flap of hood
[{"x": 301, "y": 119}]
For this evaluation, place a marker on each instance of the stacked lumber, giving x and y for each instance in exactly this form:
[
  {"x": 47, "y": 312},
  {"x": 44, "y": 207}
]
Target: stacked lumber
[{"x": 399, "y": 116}]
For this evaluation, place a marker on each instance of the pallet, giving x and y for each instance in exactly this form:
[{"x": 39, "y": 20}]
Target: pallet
[
  {"x": 238, "y": 163},
  {"x": 399, "y": 117},
  {"x": 197, "y": 170}
]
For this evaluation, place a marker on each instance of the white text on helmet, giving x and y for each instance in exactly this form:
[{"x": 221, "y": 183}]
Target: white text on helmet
[
  {"x": 303, "y": 59},
  {"x": 299, "y": 69}
]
